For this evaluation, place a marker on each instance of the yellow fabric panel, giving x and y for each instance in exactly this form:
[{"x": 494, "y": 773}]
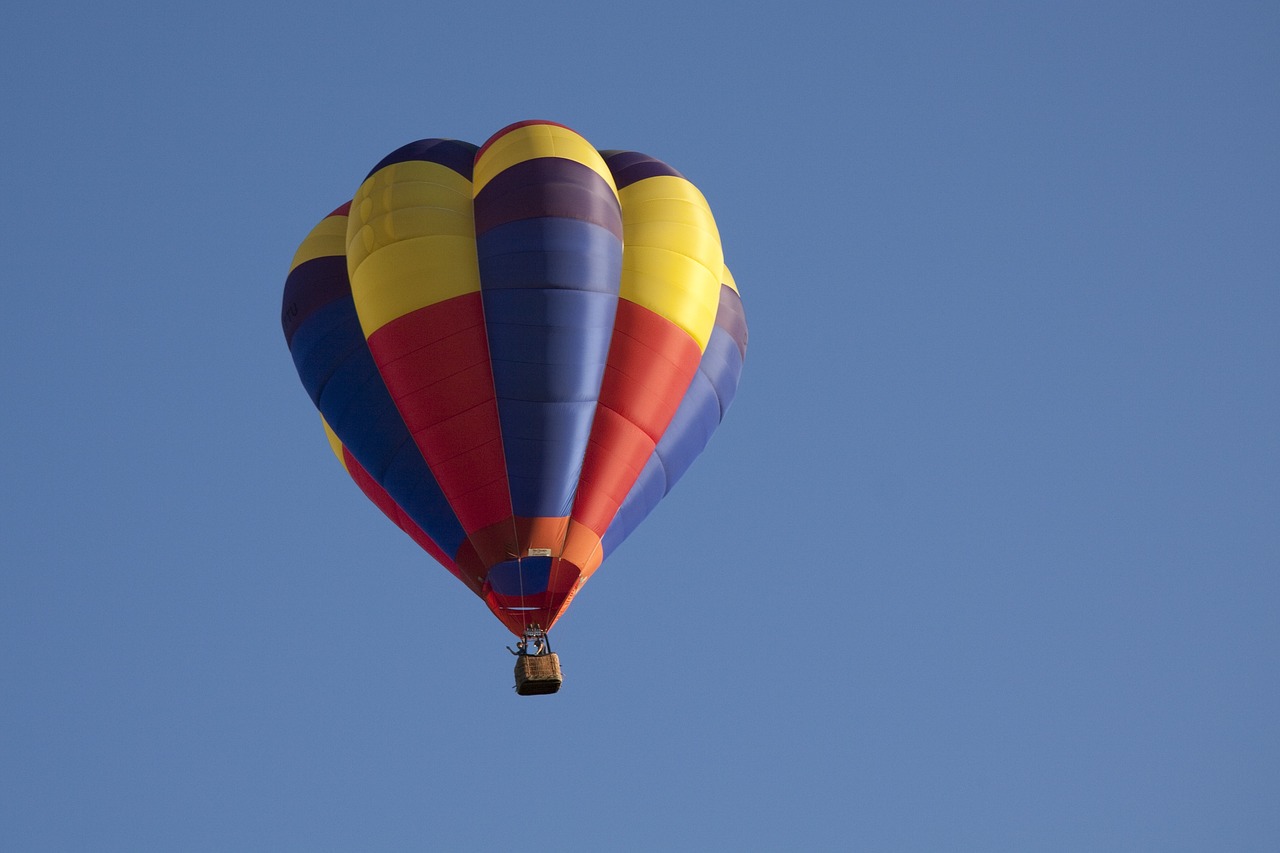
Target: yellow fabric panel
[
  {"x": 334, "y": 443},
  {"x": 727, "y": 278},
  {"x": 414, "y": 171},
  {"x": 672, "y": 259},
  {"x": 328, "y": 239},
  {"x": 412, "y": 274},
  {"x": 410, "y": 241},
  {"x": 533, "y": 141},
  {"x": 405, "y": 224},
  {"x": 406, "y": 200},
  {"x": 673, "y": 286}
]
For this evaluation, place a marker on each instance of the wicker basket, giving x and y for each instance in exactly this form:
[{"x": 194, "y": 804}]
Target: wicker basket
[{"x": 537, "y": 674}]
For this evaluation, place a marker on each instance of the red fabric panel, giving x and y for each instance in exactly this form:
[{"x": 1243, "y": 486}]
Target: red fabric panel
[
  {"x": 615, "y": 456},
  {"x": 435, "y": 362},
  {"x": 438, "y": 361},
  {"x": 465, "y": 391},
  {"x": 651, "y": 362},
  {"x": 430, "y": 324}
]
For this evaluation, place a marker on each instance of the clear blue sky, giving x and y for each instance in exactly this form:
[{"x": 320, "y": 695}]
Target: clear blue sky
[{"x": 985, "y": 556}]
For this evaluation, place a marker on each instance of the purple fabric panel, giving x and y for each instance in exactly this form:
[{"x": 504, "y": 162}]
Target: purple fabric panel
[
  {"x": 451, "y": 153},
  {"x": 631, "y": 166},
  {"x": 732, "y": 319},
  {"x": 548, "y": 186},
  {"x": 312, "y": 285}
]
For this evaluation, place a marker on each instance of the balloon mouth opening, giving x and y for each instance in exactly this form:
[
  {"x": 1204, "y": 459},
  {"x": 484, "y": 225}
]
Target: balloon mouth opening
[{"x": 530, "y": 591}]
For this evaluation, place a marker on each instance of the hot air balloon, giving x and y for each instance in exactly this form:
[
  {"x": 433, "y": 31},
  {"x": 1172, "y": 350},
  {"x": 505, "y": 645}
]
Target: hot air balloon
[{"x": 517, "y": 349}]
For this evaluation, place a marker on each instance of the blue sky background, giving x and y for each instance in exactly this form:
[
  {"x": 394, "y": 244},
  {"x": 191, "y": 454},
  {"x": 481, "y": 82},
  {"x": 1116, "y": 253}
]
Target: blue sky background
[{"x": 983, "y": 558}]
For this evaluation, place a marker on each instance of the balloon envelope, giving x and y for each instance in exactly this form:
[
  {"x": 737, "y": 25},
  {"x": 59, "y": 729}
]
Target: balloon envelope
[{"x": 517, "y": 350}]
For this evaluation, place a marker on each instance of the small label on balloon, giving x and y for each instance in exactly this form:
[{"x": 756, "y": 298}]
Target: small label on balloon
[{"x": 539, "y": 552}]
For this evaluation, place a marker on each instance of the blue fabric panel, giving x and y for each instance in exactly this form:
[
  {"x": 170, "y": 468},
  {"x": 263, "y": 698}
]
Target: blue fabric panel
[
  {"x": 324, "y": 342},
  {"x": 650, "y": 487},
  {"x": 549, "y": 344},
  {"x": 550, "y": 252},
  {"x": 687, "y": 435},
  {"x": 722, "y": 362},
  {"x": 695, "y": 421},
  {"x": 544, "y": 444},
  {"x": 550, "y": 289},
  {"x": 526, "y": 576},
  {"x": 411, "y": 483},
  {"x": 573, "y": 309},
  {"x": 356, "y": 404},
  {"x": 339, "y": 373}
]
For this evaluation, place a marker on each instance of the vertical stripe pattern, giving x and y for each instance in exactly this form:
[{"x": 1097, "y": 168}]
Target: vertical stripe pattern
[
  {"x": 517, "y": 349},
  {"x": 338, "y": 371}
]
